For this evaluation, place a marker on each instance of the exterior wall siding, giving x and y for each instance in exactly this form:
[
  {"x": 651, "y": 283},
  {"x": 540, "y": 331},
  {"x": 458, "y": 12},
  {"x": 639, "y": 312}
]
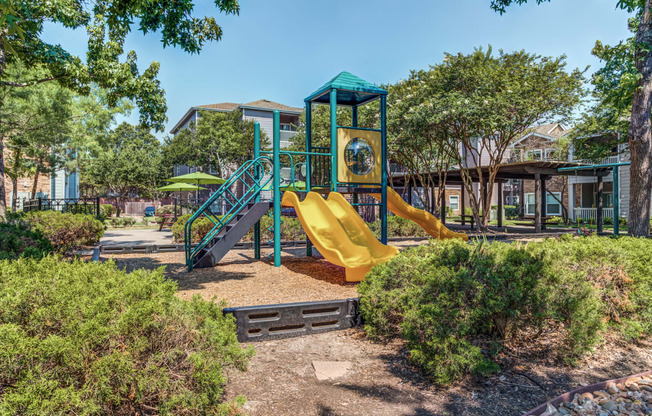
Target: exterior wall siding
[{"x": 264, "y": 118}]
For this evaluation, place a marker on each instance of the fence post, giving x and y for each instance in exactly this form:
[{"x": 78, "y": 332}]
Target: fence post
[
  {"x": 97, "y": 207},
  {"x": 39, "y": 203}
]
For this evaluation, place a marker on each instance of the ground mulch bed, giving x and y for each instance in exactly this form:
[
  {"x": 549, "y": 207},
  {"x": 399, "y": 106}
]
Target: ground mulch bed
[{"x": 281, "y": 379}]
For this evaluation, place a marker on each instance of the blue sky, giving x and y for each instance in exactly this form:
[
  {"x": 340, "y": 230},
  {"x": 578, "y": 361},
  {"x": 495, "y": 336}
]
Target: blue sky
[{"x": 282, "y": 50}]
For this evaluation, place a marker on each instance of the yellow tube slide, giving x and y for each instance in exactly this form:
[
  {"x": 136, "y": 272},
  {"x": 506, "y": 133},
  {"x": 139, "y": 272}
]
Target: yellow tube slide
[
  {"x": 426, "y": 220},
  {"x": 338, "y": 232}
]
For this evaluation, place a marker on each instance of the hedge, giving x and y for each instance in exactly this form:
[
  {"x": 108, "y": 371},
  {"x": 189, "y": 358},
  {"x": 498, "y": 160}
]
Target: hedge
[
  {"x": 458, "y": 304},
  {"x": 66, "y": 231},
  {"x": 290, "y": 229},
  {"x": 17, "y": 240},
  {"x": 89, "y": 339}
]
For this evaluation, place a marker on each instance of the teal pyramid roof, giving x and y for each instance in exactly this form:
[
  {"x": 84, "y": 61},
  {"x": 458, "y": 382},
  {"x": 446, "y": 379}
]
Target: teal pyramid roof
[{"x": 351, "y": 90}]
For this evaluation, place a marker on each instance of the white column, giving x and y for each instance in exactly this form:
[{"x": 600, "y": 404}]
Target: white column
[{"x": 571, "y": 201}]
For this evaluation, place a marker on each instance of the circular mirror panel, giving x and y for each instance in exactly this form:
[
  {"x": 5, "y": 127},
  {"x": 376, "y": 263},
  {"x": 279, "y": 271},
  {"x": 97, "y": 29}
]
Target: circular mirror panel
[{"x": 359, "y": 156}]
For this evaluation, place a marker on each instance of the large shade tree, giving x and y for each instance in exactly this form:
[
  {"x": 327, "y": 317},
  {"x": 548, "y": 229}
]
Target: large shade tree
[
  {"x": 476, "y": 106},
  {"x": 639, "y": 87},
  {"x": 106, "y": 64},
  {"x": 131, "y": 162}
]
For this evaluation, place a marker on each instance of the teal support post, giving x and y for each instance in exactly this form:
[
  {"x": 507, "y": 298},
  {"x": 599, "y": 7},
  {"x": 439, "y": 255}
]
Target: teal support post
[
  {"x": 383, "y": 158},
  {"x": 257, "y": 179},
  {"x": 276, "y": 161},
  {"x": 333, "y": 104},
  {"x": 354, "y": 123},
  {"x": 308, "y": 163},
  {"x": 616, "y": 182}
]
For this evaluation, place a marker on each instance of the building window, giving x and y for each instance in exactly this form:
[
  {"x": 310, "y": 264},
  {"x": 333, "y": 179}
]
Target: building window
[
  {"x": 454, "y": 202},
  {"x": 553, "y": 207},
  {"x": 529, "y": 204}
]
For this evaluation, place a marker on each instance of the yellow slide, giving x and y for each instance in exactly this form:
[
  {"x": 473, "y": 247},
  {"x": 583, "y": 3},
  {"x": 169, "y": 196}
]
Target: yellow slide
[
  {"x": 338, "y": 232},
  {"x": 429, "y": 222}
]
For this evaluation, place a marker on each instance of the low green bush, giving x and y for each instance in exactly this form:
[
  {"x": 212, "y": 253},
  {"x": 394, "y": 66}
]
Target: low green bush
[
  {"x": 90, "y": 339},
  {"x": 398, "y": 227},
  {"x": 291, "y": 229},
  {"x": 66, "y": 231},
  {"x": 107, "y": 210},
  {"x": 457, "y": 304},
  {"x": 18, "y": 240},
  {"x": 165, "y": 209},
  {"x": 128, "y": 221},
  {"x": 200, "y": 227},
  {"x": 511, "y": 212}
]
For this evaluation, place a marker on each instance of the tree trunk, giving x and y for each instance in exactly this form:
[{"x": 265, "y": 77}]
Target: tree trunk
[
  {"x": 640, "y": 136},
  {"x": 35, "y": 184},
  {"x": 3, "y": 200},
  {"x": 14, "y": 182}
]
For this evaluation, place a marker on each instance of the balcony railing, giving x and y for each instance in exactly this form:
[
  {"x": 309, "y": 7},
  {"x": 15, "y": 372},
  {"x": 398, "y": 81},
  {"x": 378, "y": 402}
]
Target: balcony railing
[
  {"x": 591, "y": 214},
  {"x": 606, "y": 161}
]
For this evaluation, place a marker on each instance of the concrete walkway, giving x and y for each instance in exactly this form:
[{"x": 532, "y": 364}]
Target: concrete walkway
[{"x": 119, "y": 237}]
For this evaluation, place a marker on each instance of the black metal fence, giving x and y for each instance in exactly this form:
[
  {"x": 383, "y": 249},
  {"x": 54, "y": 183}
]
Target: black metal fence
[{"x": 74, "y": 205}]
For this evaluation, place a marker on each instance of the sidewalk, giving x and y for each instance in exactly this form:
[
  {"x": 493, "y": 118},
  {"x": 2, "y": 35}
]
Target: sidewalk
[{"x": 136, "y": 237}]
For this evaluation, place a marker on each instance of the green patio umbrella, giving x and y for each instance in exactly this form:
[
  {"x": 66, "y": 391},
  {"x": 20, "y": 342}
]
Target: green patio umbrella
[
  {"x": 198, "y": 178},
  {"x": 180, "y": 187}
]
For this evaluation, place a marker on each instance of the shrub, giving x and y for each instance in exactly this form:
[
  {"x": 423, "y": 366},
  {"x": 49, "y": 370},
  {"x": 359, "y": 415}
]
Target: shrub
[
  {"x": 18, "y": 240},
  {"x": 200, "y": 228},
  {"x": 128, "y": 221},
  {"x": 106, "y": 210},
  {"x": 511, "y": 212},
  {"x": 90, "y": 339},
  {"x": 291, "y": 229},
  {"x": 399, "y": 227},
  {"x": 66, "y": 231},
  {"x": 165, "y": 209},
  {"x": 115, "y": 222},
  {"x": 455, "y": 303},
  {"x": 608, "y": 220},
  {"x": 146, "y": 221}
]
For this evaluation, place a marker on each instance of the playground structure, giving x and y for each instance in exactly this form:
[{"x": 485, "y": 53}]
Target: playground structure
[{"x": 355, "y": 164}]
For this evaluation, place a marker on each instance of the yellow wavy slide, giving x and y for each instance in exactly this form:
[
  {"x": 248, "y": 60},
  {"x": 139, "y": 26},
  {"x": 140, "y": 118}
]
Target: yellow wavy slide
[
  {"x": 338, "y": 232},
  {"x": 426, "y": 220}
]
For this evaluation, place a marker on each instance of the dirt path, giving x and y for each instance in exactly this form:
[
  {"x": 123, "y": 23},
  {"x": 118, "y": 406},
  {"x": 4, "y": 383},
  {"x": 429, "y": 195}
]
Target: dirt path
[{"x": 281, "y": 380}]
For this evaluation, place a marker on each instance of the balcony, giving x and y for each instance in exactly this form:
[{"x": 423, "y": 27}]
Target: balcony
[
  {"x": 606, "y": 161},
  {"x": 286, "y": 136}
]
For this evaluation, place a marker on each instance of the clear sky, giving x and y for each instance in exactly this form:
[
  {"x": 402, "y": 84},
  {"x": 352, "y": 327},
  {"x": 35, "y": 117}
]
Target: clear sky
[{"x": 282, "y": 50}]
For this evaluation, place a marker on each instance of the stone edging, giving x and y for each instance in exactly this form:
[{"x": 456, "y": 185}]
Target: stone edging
[{"x": 567, "y": 397}]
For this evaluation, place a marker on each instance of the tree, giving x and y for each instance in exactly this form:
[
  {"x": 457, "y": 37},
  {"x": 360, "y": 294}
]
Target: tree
[
  {"x": 639, "y": 135},
  {"x": 219, "y": 140},
  {"x": 107, "y": 24},
  {"x": 417, "y": 139},
  {"x": 129, "y": 164},
  {"x": 482, "y": 103}
]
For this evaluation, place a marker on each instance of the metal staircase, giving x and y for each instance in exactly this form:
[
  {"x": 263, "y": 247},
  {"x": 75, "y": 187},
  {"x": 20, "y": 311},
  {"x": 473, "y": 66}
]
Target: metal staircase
[{"x": 241, "y": 214}]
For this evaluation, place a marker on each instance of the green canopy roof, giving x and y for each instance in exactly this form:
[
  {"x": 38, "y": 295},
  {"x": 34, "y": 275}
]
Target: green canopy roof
[
  {"x": 351, "y": 90},
  {"x": 199, "y": 178},
  {"x": 180, "y": 187}
]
